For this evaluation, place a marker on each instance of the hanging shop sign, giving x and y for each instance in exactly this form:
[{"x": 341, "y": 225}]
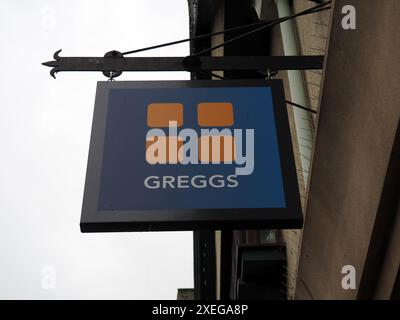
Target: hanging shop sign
[{"x": 186, "y": 155}]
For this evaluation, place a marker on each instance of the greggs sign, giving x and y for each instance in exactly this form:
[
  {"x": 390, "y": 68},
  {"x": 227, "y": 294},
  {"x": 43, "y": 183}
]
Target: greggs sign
[{"x": 184, "y": 155}]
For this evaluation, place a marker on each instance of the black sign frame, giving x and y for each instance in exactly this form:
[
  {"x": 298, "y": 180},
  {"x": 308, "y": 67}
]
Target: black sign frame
[{"x": 93, "y": 220}]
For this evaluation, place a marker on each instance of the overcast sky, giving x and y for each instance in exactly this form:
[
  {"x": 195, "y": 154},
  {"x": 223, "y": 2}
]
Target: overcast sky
[{"x": 44, "y": 137}]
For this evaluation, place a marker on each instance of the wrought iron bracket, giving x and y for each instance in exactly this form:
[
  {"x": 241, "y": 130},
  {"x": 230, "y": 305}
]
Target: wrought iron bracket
[{"x": 114, "y": 63}]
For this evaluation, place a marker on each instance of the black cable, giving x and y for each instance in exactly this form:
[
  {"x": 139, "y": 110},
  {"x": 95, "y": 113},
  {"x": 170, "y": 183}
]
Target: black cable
[
  {"x": 287, "y": 101},
  {"x": 315, "y": 9},
  {"x": 301, "y": 107},
  {"x": 256, "y": 24},
  {"x": 264, "y": 25}
]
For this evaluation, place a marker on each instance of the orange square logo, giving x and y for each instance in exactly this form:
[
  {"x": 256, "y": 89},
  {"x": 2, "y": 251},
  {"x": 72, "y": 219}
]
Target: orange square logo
[
  {"x": 215, "y": 114},
  {"x": 159, "y": 115}
]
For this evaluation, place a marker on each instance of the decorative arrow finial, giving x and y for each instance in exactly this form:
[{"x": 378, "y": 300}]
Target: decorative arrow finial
[{"x": 54, "y": 64}]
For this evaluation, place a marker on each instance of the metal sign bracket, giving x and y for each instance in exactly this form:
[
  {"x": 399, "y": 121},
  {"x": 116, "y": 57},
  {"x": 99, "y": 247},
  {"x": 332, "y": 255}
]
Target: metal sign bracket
[{"x": 114, "y": 63}]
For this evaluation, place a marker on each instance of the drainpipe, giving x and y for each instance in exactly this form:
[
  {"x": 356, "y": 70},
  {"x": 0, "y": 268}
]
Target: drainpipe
[{"x": 302, "y": 118}]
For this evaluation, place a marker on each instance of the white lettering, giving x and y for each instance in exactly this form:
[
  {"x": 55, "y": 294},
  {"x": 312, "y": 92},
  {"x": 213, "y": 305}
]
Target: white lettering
[
  {"x": 183, "y": 147},
  {"x": 349, "y": 280},
  {"x": 185, "y": 182},
  {"x": 349, "y": 20}
]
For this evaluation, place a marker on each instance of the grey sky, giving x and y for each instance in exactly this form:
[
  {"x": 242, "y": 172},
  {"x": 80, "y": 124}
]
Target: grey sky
[{"x": 44, "y": 137}]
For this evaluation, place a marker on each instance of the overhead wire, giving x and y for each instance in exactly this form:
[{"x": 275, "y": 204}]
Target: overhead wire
[
  {"x": 261, "y": 25},
  {"x": 287, "y": 101}
]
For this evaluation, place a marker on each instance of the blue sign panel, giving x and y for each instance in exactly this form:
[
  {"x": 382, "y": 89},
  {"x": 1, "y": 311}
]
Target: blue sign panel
[{"x": 190, "y": 155}]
